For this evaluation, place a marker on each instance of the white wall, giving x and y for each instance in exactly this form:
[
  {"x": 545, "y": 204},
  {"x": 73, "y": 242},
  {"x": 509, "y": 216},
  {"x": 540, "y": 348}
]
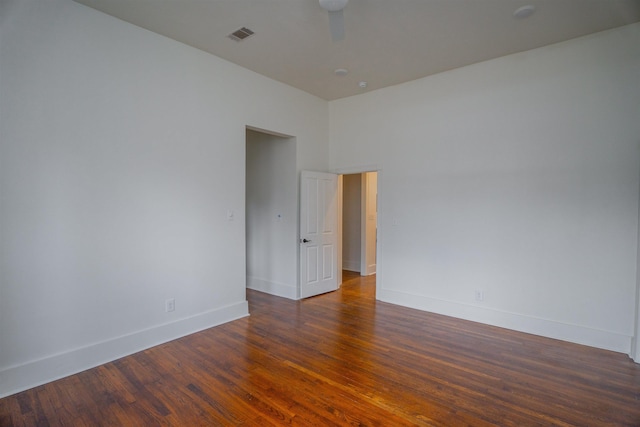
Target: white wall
[
  {"x": 121, "y": 153},
  {"x": 517, "y": 176},
  {"x": 351, "y": 224},
  {"x": 272, "y": 215}
]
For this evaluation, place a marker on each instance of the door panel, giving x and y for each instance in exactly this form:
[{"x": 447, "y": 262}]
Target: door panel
[
  {"x": 318, "y": 237},
  {"x": 327, "y": 262},
  {"x": 312, "y": 265}
]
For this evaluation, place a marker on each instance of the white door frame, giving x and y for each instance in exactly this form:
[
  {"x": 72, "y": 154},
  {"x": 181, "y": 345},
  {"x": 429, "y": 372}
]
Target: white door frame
[
  {"x": 379, "y": 253},
  {"x": 365, "y": 213}
]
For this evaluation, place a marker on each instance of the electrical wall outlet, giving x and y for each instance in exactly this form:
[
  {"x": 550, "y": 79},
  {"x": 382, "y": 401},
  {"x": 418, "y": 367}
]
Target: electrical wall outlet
[
  {"x": 479, "y": 295},
  {"x": 170, "y": 305}
]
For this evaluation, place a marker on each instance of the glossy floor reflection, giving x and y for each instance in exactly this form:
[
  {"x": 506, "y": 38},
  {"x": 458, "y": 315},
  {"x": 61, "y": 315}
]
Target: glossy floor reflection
[{"x": 344, "y": 358}]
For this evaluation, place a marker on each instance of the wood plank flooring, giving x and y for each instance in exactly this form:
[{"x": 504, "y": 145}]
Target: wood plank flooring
[{"x": 344, "y": 359}]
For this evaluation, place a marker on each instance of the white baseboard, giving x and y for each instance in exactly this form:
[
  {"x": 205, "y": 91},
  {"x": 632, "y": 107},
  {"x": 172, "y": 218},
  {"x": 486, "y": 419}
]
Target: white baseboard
[
  {"x": 351, "y": 265},
  {"x": 273, "y": 288},
  {"x": 371, "y": 269},
  {"x": 32, "y": 374},
  {"x": 517, "y": 322}
]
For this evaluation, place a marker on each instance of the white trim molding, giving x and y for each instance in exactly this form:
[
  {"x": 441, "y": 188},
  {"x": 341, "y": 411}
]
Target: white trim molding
[
  {"x": 31, "y": 374},
  {"x": 532, "y": 325},
  {"x": 357, "y": 169},
  {"x": 351, "y": 265},
  {"x": 271, "y": 287}
]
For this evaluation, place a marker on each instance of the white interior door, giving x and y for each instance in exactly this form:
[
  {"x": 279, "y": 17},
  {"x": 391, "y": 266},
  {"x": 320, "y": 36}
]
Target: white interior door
[{"x": 318, "y": 233}]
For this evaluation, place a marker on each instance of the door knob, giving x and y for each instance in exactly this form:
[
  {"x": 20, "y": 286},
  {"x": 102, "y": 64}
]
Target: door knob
[{"x": 306, "y": 241}]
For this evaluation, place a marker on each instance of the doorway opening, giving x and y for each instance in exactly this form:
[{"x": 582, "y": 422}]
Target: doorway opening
[
  {"x": 271, "y": 213},
  {"x": 359, "y": 223}
]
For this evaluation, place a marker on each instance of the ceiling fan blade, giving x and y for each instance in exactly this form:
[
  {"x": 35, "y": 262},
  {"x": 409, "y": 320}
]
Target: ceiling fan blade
[{"x": 336, "y": 25}]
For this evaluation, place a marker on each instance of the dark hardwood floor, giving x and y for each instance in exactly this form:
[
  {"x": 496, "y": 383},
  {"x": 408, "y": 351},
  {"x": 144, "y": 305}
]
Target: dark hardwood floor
[{"x": 344, "y": 359}]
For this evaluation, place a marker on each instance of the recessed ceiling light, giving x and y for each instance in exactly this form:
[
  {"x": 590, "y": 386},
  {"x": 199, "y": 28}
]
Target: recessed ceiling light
[
  {"x": 362, "y": 84},
  {"x": 341, "y": 72},
  {"x": 524, "y": 11}
]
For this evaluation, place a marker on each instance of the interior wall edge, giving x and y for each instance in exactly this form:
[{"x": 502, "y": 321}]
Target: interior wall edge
[
  {"x": 634, "y": 353},
  {"x": 32, "y": 374}
]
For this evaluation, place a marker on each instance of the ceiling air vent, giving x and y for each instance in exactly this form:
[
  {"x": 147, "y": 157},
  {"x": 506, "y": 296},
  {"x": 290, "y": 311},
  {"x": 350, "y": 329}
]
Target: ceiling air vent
[{"x": 240, "y": 34}]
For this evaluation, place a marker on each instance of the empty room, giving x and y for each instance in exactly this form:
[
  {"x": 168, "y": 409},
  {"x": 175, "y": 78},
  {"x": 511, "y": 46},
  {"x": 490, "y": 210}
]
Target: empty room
[{"x": 172, "y": 183}]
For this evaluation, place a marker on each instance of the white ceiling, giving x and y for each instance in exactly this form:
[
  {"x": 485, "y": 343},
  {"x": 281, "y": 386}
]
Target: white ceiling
[{"x": 387, "y": 41}]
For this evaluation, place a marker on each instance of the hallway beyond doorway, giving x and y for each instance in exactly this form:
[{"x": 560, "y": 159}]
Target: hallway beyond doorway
[{"x": 356, "y": 285}]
